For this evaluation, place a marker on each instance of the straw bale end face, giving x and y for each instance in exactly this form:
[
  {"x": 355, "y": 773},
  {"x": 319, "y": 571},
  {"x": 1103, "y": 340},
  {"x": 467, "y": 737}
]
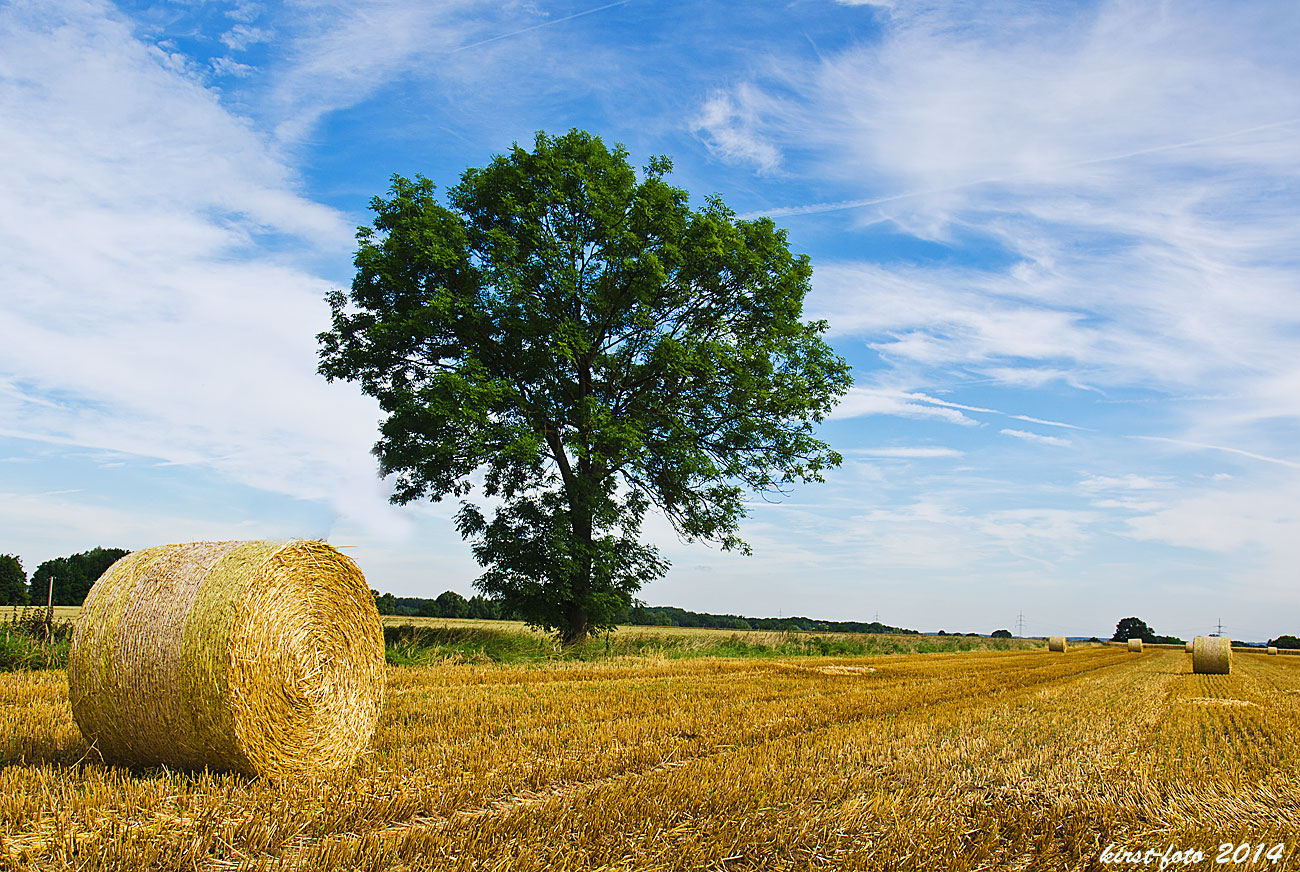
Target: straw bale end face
[
  {"x": 1189, "y": 647},
  {"x": 1058, "y": 644},
  {"x": 265, "y": 658},
  {"x": 1135, "y": 646},
  {"x": 1211, "y": 655}
]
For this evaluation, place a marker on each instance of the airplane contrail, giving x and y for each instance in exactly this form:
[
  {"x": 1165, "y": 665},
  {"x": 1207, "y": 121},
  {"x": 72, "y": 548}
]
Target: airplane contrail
[
  {"x": 536, "y": 26},
  {"x": 1249, "y": 454},
  {"x": 817, "y": 208}
]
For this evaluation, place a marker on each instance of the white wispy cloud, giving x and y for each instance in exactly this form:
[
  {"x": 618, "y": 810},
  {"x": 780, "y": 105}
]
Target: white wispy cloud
[
  {"x": 241, "y": 36},
  {"x": 1118, "y": 184},
  {"x": 340, "y": 53},
  {"x": 1113, "y": 152},
  {"x": 1037, "y": 438},
  {"x": 144, "y": 311},
  {"x": 1258, "y": 526},
  {"x": 907, "y": 452},
  {"x": 464, "y": 53},
  {"x": 1128, "y": 482},
  {"x": 863, "y": 401},
  {"x": 728, "y": 124}
]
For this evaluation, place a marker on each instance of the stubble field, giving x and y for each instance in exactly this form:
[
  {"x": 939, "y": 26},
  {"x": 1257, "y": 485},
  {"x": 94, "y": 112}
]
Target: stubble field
[{"x": 982, "y": 760}]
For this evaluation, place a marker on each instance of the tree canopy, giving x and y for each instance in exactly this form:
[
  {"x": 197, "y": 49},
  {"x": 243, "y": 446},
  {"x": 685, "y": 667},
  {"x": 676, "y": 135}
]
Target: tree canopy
[
  {"x": 73, "y": 575},
  {"x": 452, "y": 605},
  {"x": 1131, "y": 628},
  {"x": 592, "y": 346},
  {"x": 13, "y": 581}
]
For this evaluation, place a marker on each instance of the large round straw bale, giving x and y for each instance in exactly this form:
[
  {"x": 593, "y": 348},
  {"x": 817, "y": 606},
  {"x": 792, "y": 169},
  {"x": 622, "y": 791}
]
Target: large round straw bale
[
  {"x": 1189, "y": 647},
  {"x": 1211, "y": 655},
  {"x": 1272, "y": 649},
  {"x": 265, "y": 658},
  {"x": 1057, "y": 643},
  {"x": 1135, "y": 646}
]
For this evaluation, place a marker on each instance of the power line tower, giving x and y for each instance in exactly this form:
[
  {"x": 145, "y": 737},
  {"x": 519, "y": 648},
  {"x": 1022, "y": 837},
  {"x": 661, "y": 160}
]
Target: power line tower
[{"x": 1020, "y": 624}]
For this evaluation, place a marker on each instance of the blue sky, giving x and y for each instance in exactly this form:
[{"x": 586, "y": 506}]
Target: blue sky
[{"x": 1057, "y": 242}]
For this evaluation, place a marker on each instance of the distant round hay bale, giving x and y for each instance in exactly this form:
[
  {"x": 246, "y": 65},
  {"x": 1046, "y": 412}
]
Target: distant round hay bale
[
  {"x": 1272, "y": 649},
  {"x": 1189, "y": 647},
  {"x": 1135, "y": 646},
  {"x": 264, "y": 658},
  {"x": 1057, "y": 643},
  {"x": 1211, "y": 655}
]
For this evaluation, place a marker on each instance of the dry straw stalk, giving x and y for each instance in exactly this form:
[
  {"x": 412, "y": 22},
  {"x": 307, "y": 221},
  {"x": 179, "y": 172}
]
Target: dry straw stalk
[
  {"x": 264, "y": 658},
  {"x": 1135, "y": 646},
  {"x": 1211, "y": 655},
  {"x": 1057, "y": 643}
]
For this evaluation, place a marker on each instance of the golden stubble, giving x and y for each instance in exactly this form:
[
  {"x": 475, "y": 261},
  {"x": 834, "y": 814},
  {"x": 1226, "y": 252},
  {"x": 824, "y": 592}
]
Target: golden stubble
[{"x": 961, "y": 761}]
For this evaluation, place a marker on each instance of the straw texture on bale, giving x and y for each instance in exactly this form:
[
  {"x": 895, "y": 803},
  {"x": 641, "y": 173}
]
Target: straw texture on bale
[
  {"x": 1189, "y": 647},
  {"x": 1135, "y": 645},
  {"x": 265, "y": 658},
  {"x": 1057, "y": 643},
  {"x": 1272, "y": 649},
  {"x": 1211, "y": 655}
]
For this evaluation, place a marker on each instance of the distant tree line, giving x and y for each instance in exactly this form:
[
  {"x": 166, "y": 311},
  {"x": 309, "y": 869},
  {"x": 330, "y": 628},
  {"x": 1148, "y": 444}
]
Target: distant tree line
[
  {"x": 670, "y": 616},
  {"x": 73, "y": 575},
  {"x": 447, "y": 604},
  {"x": 450, "y": 604}
]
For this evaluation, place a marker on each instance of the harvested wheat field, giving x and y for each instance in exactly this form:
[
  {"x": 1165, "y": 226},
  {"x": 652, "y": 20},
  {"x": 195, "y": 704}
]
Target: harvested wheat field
[{"x": 984, "y": 760}]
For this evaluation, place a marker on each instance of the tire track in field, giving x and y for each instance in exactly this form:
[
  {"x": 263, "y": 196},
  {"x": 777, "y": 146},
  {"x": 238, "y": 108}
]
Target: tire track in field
[
  {"x": 463, "y": 733},
  {"x": 564, "y": 790},
  {"x": 705, "y": 717},
  {"x": 1028, "y": 810},
  {"x": 811, "y": 681}
]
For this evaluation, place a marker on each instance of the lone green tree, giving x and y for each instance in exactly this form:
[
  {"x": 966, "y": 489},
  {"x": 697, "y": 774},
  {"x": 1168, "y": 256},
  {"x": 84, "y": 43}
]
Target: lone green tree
[
  {"x": 13, "y": 581},
  {"x": 452, "y": 605},
  {"x": 593, "y": 346},
  {"x": 1132, "y": 628}
]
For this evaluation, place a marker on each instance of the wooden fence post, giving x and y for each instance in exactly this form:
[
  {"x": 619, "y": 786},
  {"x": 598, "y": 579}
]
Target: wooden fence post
[{"x": 49, "y": 611}]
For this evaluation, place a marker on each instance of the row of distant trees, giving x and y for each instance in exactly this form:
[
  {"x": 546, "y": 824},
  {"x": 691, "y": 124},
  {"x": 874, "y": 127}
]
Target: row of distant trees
[
  {"x": 670, "y": 616},
  {"x": 447, "y": 604},
  {"x": 450, "y": 604},
  {"x": 73, "y": 575}
]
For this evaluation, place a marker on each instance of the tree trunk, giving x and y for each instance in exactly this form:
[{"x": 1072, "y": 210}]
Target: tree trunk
[
  {"x": 582, "y": 506},
  {"x": 575, "y": 612},
  {"x": 576, "y": 631}
]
